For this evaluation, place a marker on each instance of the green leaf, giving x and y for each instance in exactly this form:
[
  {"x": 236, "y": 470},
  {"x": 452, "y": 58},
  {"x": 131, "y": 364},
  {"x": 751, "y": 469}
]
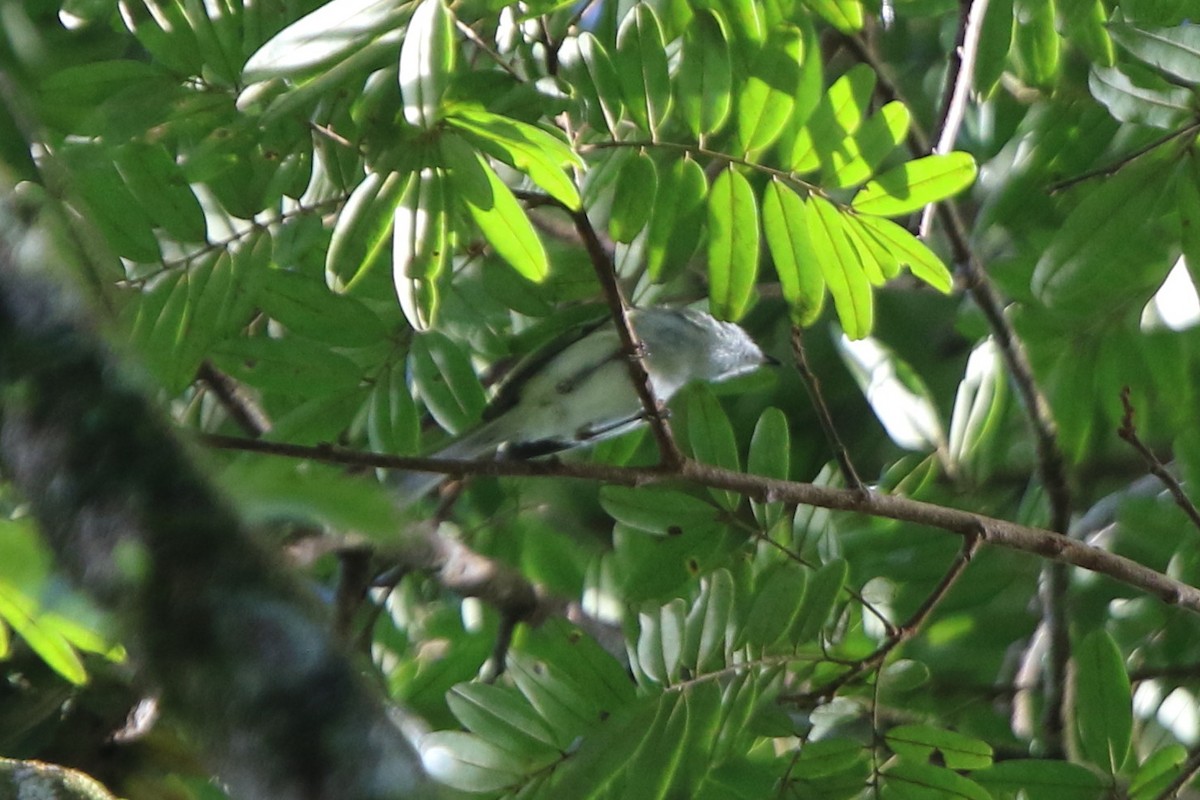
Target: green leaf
[
  {"x": 1188, "y": 201},
  {"x": 654, "y": 769},
  {"x": 1041, "y": 780},
  {"x": 525, "y": 147},
  {"x": 158, "y": 184},
  {"x": 678, "y": 212},
  {"x": 605, "y": 753},
  {"x": 785, "y": 224},
  {"x": 845, "y": 15},
  {"x": 820, "y": 759},
  {"x": 878, "y": 262},
  {"x": 704, "y": 79},
  {"x": 841, "y": 268},
  {"x": 837, "y": 115},
  {"x": 305, "y": 306},
  {"x": 426, "y": 62},
  {"x": 420, "y": 241},
  {"x": 823, "y": 591},
  {"x": 314, "y": 494},
  {"x": 1038, "y": 43},
  {"x": 732, "y": 245},
  {"x": 556, "y": 697},
  {"x": 995, "y": 41},
  {"x": 1080, "y": 268},
  {"x": 392, "y": 422},
  {"x": 906, "y": 780},
  {"x": 291, "y": 366},
  {"x": 633, "y": 198},
  {"x": 108, "y": 204},
  {"x": 708, "y": 621},
  {"x": 445, "y": 382},
  {"x": 659, "y": 511},
  {"x": 1103, "y": 708},
  {"x": 363, "y": 226},
  {"x": 494, "y": 209},
  {"x": 776, "y": 606},
  {"x": 467, "y": 762},
  {"x": 502, "y": 716},
  {"x": 21, "y": 613},
  {"x": 1157, "y": 772},
  {"x": 601, "y": 76},
  {"x": 1135, "y": 94},
  {"x": 116, "y": 99},
  {"x": 1085, "y": 23},
  {"x": 641, "y": 65},
  {"x": 711, "y": 438},
  {"x": 765, "y": 101},
  {"x": 919, "y": 742},
  {"x": 1175, "y": 50},
  {"x": 328, "y": 34},
  {"x": 857, "y": 158},
  {"x": 650, "y": 648},
  {"x": 909, "y": 251},
  {"x": 906, "y": 188},
  {"x": 770, "y": 454}
]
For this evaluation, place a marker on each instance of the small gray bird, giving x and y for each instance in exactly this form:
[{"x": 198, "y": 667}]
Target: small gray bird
[{"x": 576, "y": 390}]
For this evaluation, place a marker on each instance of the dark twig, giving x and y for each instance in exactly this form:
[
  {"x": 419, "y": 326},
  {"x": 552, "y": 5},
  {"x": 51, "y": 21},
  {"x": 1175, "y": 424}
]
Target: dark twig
[
  {"x": 1128, "y": 432},
  {"x": 1001, "y": 533},
  {"x": 813, "y": 384},
  {"x": 668, "y": 450},
  {"x": 241, "y": 408},
  {"x": 1124, "y": 161},
  {"x": 907, "y": 630}
]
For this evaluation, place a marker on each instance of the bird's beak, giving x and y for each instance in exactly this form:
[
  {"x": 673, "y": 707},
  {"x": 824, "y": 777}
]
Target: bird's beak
[{"x": 770, "y": 361}]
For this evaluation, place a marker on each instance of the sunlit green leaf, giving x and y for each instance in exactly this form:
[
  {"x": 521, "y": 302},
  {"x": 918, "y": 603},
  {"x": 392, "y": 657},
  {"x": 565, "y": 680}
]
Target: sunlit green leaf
[
  {"x": 703, "y": 86},
  {"x": 732, "y": 244},
  {"x": 494, "y": 209},
  {"x": 906, "y": 188},
  {"x": 910, "y": 251},
  {"x": 679, "y": 211},
  {"x": 633, "y": 200},
  {"x": 764, "y": 102},
  {"x": 641, "y": 65},
  {"x": 785, "y": 225},
  {"x": 840, "y": 266}
]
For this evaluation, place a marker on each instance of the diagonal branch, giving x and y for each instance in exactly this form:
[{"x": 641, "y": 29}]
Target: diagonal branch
[
  {"x": 669, "y": 454},
  {"x": 1040, "y": 542}
]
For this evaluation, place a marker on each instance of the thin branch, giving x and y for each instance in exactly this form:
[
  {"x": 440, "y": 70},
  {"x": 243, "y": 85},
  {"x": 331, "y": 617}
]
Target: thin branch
[
  {"x": 906, "y": 630},
  {"x": 668, "y": 450},
  {"x": 1190, "y": 768},
  {"x": 715, "y": 155},
  {"x": 1001, "y": 533},
  {"x": 1124, "y": 161},
  {"x": 1128, "y": 432},
  {"x": 958, "y": 86},
  {"x": 236, "y": 401},
  {"x": 813, "y": 384},
  {"x": 479, "y": 42}
]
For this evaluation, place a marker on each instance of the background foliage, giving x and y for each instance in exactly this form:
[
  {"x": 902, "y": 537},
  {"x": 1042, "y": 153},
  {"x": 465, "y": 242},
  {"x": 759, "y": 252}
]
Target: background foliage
[{"x": 341, "y": 222}]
